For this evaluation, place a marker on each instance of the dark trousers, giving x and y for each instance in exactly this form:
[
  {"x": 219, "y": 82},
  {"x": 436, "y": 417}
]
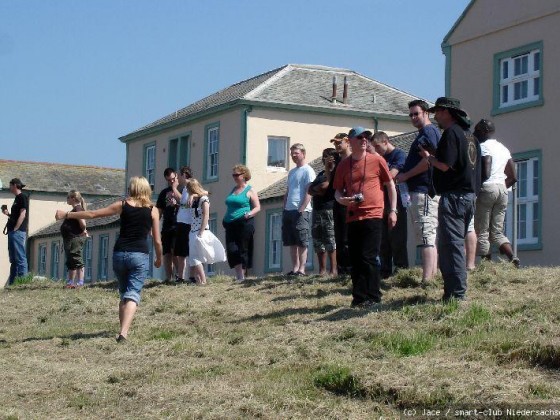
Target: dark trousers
[
  {"x": 341, "y": 238},
  {"x": 393, "y": 244},
  {"x": 454, "y": 214},
  {"x": 239, "y": 235},
  {"x": 364, "y": 241}
]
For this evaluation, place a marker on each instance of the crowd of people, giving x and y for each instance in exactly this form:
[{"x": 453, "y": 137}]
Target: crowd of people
[{"x": 453, "y": 185}]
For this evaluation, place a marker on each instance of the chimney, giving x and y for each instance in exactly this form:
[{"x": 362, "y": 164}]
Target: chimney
[
  {"x": 345, "y": 92},
  {"x": 333, "y": 98}
]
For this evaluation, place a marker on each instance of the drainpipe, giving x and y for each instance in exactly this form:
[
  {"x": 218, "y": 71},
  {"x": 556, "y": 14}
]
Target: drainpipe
[
  {"x": 375, "y": 124},
  {"x": 514, "y": 217},
  {"x": 244, "y": 118}
]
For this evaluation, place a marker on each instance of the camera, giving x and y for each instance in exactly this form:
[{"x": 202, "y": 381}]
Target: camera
[
  {"x": 358, "y": 198},
  {"x": 4, "y": 207}
]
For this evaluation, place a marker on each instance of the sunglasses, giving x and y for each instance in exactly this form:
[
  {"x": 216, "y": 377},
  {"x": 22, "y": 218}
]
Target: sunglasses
[
  {"x": 413, "y": 114},
  {"x": 360, "y": 137},
  {"x": 236, "y": 175}
]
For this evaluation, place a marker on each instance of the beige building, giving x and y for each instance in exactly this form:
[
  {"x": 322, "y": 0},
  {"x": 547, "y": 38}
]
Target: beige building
[
  {"x": 47, "y": 186},
  {"x": 501, "y": 59},
  {"x": 255, "y": 122}
]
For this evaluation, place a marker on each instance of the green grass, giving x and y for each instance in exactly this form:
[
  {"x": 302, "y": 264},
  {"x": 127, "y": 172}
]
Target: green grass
[{"x": 270, "y": 349}]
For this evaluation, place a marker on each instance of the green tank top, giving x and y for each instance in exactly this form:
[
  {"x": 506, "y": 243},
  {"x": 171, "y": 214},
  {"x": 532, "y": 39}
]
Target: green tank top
[{"x": 237, "y": 205}]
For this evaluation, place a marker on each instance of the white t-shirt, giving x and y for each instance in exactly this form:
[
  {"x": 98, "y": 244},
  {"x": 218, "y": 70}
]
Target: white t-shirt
[
  {"x": 298, "y": 178},
  {"x": 184, "y": 214},
  {"x": 500, "y": 155}
]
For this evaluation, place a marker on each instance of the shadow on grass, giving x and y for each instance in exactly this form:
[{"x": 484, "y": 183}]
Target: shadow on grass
[
  {"x": 285, "y": 313},
  {"x": 73, "y": 337}
]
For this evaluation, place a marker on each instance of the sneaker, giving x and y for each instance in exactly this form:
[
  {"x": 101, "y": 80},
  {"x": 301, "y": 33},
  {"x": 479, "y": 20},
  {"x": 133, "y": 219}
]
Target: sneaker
[
  {"x": 291, "y": 274},
  {"x": 515, "y": 261},
  {"x": 69, "y": 286},
  {"x": 121, "y": 338}
]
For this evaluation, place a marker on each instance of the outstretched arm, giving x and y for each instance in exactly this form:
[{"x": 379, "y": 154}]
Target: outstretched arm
[{"x": 111, "y": 210}]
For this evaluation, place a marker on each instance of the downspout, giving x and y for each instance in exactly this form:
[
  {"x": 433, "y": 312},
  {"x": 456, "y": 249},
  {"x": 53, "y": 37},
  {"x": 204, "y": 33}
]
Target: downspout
[
  {"x": 446, "y": 50},
  {"x": 244, "y": 120}
]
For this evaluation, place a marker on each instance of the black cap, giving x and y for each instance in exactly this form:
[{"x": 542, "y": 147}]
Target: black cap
[{"x": 17, "y": 182}]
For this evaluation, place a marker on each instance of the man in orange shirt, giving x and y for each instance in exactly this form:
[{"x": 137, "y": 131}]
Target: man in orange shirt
[{"x": 359, "y": 183}]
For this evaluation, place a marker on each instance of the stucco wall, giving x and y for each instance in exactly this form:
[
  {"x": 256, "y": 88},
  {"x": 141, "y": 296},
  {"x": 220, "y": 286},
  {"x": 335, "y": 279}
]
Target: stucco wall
[{"x": 472, "y": 79}]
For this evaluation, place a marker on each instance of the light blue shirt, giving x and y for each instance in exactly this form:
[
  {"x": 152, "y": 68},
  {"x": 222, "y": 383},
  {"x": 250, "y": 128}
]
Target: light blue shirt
[{"x": 298, "y": 179}]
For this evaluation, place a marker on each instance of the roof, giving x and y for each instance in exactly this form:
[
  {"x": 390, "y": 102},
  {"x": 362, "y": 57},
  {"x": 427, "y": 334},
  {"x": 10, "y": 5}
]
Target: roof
[
  {"x": 306, "y": 87},
  {"x": 92, "y": 224},
  {"x": 60, "y": 178},
  {"x": 277, "y": 190}
]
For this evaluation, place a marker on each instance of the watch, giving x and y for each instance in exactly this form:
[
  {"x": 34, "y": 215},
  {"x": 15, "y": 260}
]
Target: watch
[{"x": 394, "y": 211}]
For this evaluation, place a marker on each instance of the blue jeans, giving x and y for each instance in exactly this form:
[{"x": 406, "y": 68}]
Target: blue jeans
[
  {"x": 131, "y": 269},
  {"x": 16, "y": 252},
  {"x": 455, "y": 212}
]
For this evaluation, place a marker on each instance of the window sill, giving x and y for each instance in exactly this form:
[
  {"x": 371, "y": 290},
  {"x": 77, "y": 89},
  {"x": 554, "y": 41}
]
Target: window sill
[
  {"x": 276, "y": 169},
  {"x": 518, "y": 107}
]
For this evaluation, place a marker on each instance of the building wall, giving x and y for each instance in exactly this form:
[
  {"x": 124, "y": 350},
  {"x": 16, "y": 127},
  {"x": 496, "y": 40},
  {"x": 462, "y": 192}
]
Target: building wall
[
  {"x": 312, "y": 129},
  {"x": 488, "y": 29},
  {"x": 95, "y": 235}
]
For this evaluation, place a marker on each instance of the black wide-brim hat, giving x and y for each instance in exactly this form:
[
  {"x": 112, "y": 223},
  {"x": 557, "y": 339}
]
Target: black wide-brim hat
[{"x": 449, "y": 103}]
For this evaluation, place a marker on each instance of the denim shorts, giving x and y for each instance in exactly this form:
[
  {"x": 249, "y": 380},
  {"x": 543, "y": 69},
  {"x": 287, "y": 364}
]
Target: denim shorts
[{"x": 131, "y": 269}]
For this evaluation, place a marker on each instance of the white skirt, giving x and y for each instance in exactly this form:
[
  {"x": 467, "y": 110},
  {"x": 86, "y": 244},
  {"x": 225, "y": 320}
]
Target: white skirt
[{"x": 206, "y": 249}]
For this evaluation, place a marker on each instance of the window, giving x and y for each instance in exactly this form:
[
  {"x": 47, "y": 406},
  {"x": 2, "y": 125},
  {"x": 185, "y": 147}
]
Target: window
[
  {"x": 277, "y": 156},
  {"x": 88, "y": 258},
  {"x": 55, "y": 260},
  {"x": 150, "y": 164},
  {"x": 528, "y": 193},
  {"x": 212, "y": 143},
  {"x": 42, "y": 259},
  {"x": 273, "y": 254},
  {"x": 213, "y": 226},
  {"x": 179, "y": 151},
  {"x": 103, "y": 257},
  {"x": 518, "y": 78}
]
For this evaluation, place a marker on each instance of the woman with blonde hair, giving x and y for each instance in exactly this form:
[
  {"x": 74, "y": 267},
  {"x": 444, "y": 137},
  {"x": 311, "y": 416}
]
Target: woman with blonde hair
[
  {"x": 73, "y": 238},
  {"x": 204, "y": 247},
  {"x": 242, "y": 205},
  {"x": 131, "y": 258}
]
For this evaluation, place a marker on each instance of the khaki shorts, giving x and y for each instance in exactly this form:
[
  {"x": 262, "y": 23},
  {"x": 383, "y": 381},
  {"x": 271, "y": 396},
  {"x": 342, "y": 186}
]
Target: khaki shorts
[{"x": 424, "y": 214}]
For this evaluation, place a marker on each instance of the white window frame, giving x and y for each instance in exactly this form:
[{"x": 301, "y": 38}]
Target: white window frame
[
  {"x": 274, "y": 241},
  {"x": 213, "y": 227},
  {"x": 528, "y": 191},
  {"x": 88, "y": 259},
  {"x": 150, "y": 164},
  {"x": 518, "y": 70},
  {"x": 103, "y": 257},
  {"x": 212, "y": 152},
  {"x": 55, "y": 268},
  {"x": 277, "y": 168},
  {"x": 42, "y": 259}
]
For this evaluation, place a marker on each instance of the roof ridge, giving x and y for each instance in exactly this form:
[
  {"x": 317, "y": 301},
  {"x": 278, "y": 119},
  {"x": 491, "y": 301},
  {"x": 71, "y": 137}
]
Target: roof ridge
[
  {"x": 391, "y": 87},
  {"x": 59, "y": 164},
  {"x": 281, "y": 71}
]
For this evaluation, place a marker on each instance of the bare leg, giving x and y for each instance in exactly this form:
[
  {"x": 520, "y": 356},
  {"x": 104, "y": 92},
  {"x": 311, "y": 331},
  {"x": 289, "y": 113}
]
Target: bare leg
[
  {"x": 168, "y": 265},
  {"x": 332, "y": 258},
  {"x": 180, "y": 266},
  {"x": 294, "y": 254},
  {"x": 127, "y": 309},
  {"x": 470, "y": 250},
  {"x": 322, "y": 257},
  {"x": 199, "y": 274},
  {"x": 239, "y": 272},
  {"x": 429, "y": 262},
  {"x": 81, "y": 275},
  {"x": 302, "y": 253}
]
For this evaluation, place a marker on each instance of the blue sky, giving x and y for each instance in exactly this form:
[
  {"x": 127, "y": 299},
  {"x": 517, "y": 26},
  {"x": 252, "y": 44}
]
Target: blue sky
[{"x": 77, "y": 75}]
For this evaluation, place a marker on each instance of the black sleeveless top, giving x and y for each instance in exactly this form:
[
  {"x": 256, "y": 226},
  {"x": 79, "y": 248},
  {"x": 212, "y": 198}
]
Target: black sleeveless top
[{"x": 136, "y": 223}]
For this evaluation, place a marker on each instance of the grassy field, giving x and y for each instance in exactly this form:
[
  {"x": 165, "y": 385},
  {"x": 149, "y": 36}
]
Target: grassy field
[{"x": 273, "y": 349}]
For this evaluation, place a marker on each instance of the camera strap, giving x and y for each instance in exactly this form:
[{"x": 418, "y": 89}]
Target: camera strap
[{"x": 361, "y": 189}]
